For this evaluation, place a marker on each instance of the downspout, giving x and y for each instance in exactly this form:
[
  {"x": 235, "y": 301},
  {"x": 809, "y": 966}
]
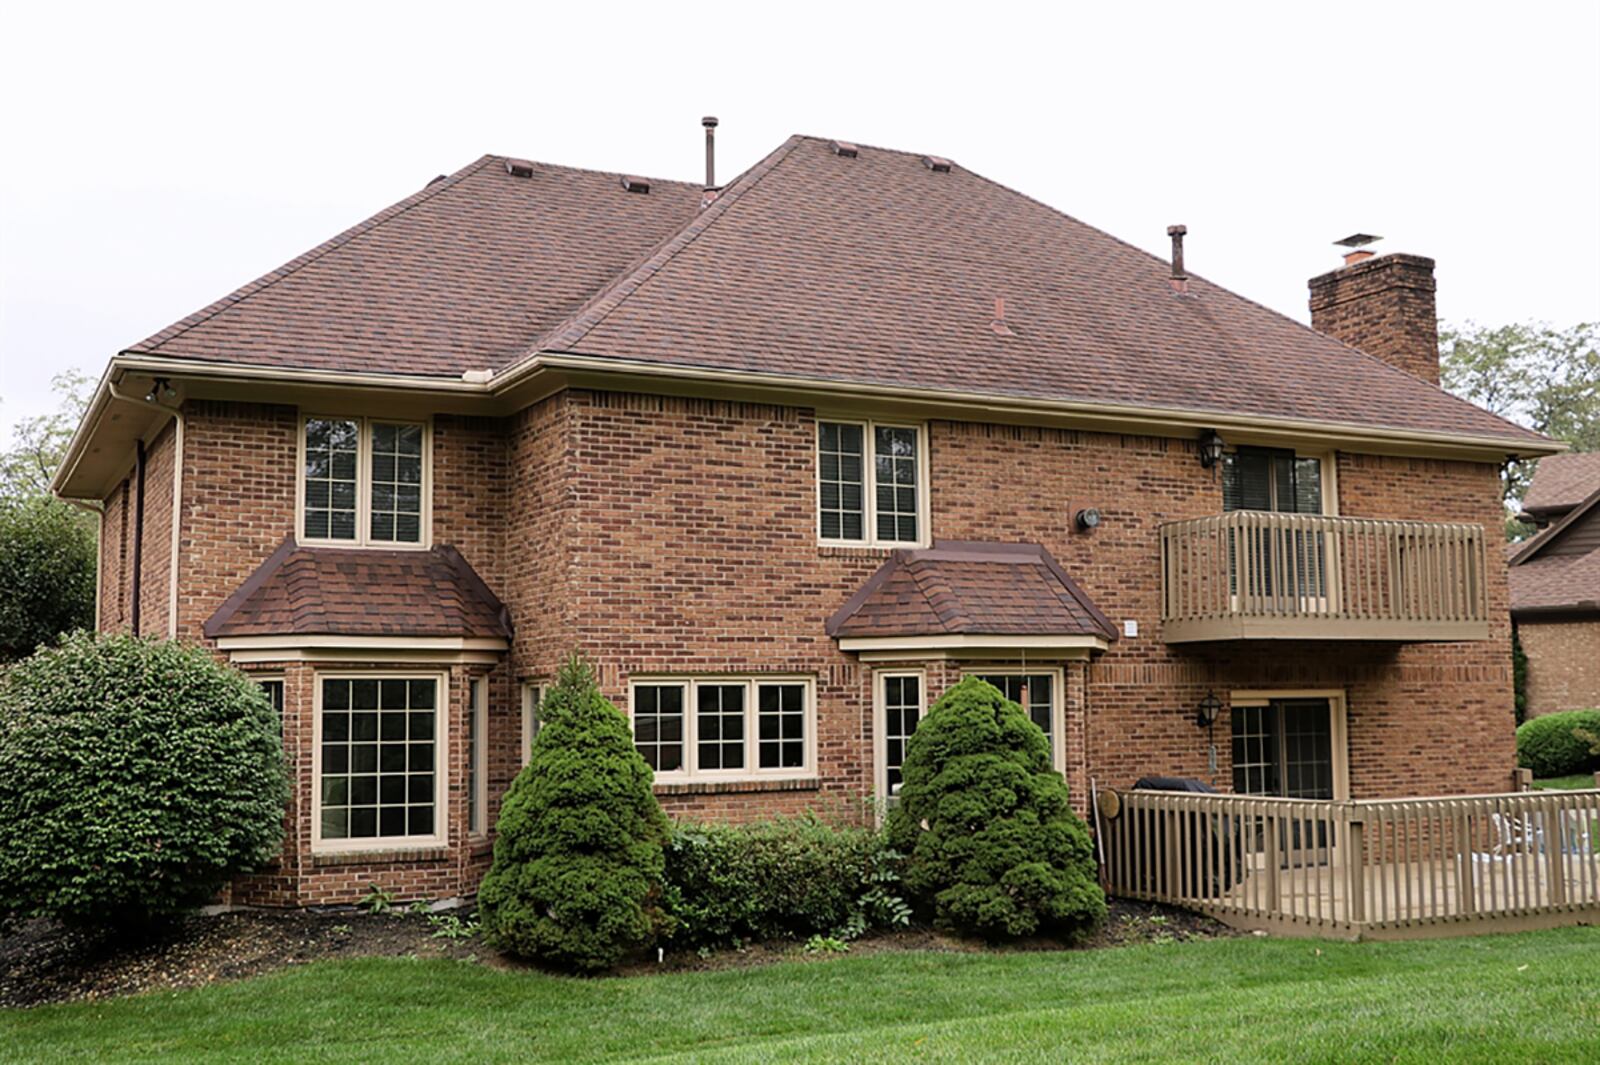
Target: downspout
[
  {"x": 176, "y": 522},
  {"x": 138, "y": 531},
  {"x": 99, "y": 512}
]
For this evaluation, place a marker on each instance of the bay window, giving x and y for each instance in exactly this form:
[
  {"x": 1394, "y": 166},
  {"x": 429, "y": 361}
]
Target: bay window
[{"x": 379, "y": 777}]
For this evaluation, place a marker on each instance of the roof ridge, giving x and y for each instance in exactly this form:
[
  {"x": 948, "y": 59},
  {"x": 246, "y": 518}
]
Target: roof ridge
[
  {"x": 272, "y": 277},
  {"x": 929, "y": 581},
  {"x": 604, "y": 302},
  {"x": 1238, "y": 295},
  {"x": 594, "y": 170}
]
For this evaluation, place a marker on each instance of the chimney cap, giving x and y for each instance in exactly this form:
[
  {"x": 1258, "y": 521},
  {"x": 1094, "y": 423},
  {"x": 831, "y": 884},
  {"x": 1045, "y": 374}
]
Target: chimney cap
[
  {"x": 709, "y": 122},
  {"x": 1358, "y": 240}
]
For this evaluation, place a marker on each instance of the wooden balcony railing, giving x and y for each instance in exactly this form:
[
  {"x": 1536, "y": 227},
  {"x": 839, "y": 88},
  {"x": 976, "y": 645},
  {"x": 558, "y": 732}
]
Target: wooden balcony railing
[
  {"x": 1370, "y": 868},
  {"x": 1258, "y": 575}
]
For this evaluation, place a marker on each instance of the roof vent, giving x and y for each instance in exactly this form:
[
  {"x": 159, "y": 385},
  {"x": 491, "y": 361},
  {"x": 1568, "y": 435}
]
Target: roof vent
[
  {"x": 635, "y": 184},
  {"x": 435, "y": 181},
  {"x": 519, "y": 168},
  {"x": 938, "y": 164},
  {"x": 844, "y": 149}
]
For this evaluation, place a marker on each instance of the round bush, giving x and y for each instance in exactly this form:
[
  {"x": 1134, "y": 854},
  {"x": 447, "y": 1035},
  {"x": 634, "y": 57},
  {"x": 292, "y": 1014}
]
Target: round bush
[
  {"x": 1546, "y": 744},
  {"x": 136, "y": 777},
  {"x": 993, "y": 845},
  {"x": 576, "y": 879}
]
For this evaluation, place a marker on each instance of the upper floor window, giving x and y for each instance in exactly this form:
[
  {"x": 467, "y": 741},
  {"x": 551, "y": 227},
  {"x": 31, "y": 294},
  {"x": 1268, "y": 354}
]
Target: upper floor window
[
  {"x": 871, "y": 483},
  {"x": 363, "y": 481},
  {"x": 1259, "y": 478}
]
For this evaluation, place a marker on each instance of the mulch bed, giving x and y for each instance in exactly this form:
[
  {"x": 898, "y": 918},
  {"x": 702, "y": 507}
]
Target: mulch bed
[{"x": 42, "y": 962}]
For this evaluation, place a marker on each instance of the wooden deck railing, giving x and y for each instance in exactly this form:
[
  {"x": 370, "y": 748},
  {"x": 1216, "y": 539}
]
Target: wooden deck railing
[
  {"x": 1258, "y": 575},
  {"x": 1378, "y": 867}
]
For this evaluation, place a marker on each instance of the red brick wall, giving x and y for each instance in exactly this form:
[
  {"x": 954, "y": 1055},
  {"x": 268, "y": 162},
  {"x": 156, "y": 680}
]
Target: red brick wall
[
  {"x": 1563, "y": 664},
  {"x": 1385, "y": 307}
]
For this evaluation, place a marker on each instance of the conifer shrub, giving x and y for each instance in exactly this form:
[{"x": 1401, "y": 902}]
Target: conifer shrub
[
  {"x": 576, "y": 879},
  {"x": 994, "y": 850},
  {"x": 136, "y": 777}
]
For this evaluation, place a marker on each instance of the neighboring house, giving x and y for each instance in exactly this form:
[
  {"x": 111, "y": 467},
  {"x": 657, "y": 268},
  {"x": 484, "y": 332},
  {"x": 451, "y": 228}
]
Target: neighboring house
[
  {"x": 785, "y": 460},
  {"x": 1555, "y": 585}
]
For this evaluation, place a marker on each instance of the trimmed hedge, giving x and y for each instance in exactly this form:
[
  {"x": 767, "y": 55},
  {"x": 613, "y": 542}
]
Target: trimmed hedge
[
  {"x": 994, "y": 847},
  {"x": 786, "y": 878},
  {"x": 136, "y": 777},
  {"x": 576, "y": 879},
  {"x": 1546, "y": 744}
]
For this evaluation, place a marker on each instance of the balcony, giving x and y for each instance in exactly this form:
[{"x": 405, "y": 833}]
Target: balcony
[{"x": 1253, "y": 575}]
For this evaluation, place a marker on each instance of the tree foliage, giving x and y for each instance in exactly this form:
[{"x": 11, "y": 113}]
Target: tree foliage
[
  {"x": 39, "y": 443},
  {"x": 994, "y": 848},
  {"x": 136, "y": 777},
  {"x": 1533, "y": 374},
  {"x": 577, "y": 874}
]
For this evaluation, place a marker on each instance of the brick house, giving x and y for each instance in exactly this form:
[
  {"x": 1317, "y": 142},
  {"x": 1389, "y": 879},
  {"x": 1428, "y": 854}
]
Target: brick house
[
  {"x": 1555, "y": 585},
  {"x": 785, "y": 459}
]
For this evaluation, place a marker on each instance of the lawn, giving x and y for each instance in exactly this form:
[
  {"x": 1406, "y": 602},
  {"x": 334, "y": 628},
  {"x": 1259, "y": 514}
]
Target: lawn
[
  {"x": 1529, "y": 997},
  {"x": 1567, "y": 783}
]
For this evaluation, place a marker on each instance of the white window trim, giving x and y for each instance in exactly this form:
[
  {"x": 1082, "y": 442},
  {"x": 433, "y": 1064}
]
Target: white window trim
[
  {"x": 869, "y": 488},
  {"x": 441, "y": 763},
  {"x": 478, "y": 693},
  {"x": 880, "y": 727},
  {"x": 364, "y": 483},
  {"x": 262, "y": 679},
  {"x": 1058, "y": 717},
  {"x": 532, "y": 698},
  {"x": 691, "y": 772}
]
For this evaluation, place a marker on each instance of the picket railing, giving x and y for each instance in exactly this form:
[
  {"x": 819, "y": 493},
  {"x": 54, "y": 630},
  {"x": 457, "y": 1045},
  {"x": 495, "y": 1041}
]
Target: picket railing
[
  {"x": 1371, "y": 867},
  {"x": 1258, "y": 575}
]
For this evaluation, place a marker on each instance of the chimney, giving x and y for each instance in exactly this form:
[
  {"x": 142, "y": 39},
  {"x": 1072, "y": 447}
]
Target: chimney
[
  {"x": 1382, "y": 304},
  {"x": 710, "y": 123},
  {"x": 1179, "y": 280}
]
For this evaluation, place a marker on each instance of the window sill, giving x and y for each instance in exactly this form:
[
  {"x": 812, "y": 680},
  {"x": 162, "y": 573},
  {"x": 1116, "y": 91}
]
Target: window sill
[
  {"x": 381, "y": 856},
  {"x": 858, "y": 550},
  {"x": 734, "y": 787}
]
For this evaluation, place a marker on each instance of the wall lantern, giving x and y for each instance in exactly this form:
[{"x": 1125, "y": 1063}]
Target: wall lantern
[
  {"x": 1086, "y": 519},
  {"x": 1211, "y": 445},
  {"x": 1205, "y": 714}
]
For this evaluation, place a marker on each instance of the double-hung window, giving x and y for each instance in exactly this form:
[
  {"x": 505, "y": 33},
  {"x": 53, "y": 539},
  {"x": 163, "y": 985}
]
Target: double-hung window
[
  {"x": 725, "y": 727},
  {"x": 900, "y": 701},
  {"x": 871, "y": 483},
  {"x": 379, "y": 779},
  {"x": 532, "y": 697},
  {"x": 363, "y": 481}
]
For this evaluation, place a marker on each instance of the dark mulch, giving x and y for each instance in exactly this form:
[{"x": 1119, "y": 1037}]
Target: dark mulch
[{"x": 42, "y": 962}]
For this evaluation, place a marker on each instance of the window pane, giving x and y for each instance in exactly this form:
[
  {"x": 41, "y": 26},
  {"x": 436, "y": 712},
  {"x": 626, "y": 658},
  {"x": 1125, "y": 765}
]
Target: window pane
[
  {"x": 902, "y": 709},
  {"x": 719, "y": 719},
  {"x": 839, "y": 481},
  {"x": 396, "y": 475},
  {"x": 1038, "y": 690},
  {"x": 330, "y": 479},
  {"x": 895, "y": 457},
  {"x": 658, "y": 710},
  {"x": 475, "y": 740},
  {"x": 376, "y": 730},
  {"x": 780, "y": 725}
]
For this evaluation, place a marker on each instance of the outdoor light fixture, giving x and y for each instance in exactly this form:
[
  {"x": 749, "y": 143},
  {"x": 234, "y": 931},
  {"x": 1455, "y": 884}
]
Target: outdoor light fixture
[
  {"x": 1086, "y": 519},
  {"x": 160, "y": 388},
  {"x": 1205, "y": 714},
  {"x": 1211, "y": 445}
]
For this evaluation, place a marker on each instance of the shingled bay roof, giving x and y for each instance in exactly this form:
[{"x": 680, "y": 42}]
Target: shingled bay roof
[
  {"x": 874, "y": 269},
  {"x": 322, "y": 591},
  {"x": 1561, "y": 482},
  {"x": 970, "y": 589}
]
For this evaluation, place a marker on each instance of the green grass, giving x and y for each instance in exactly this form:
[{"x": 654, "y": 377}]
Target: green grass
[
  {"x": 1567, "y": 783},
  {"x": 1530, "y": 997}
]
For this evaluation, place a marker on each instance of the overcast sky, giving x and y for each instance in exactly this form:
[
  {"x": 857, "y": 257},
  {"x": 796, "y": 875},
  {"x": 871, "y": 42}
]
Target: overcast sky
[{"x": 157, "y": 157}]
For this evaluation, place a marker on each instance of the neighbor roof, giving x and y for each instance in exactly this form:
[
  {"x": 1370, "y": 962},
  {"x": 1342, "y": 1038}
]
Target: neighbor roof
[
  {"x": 1561, "y": 482},
  {"x": 326, "y": 591},
  {"x": 875, "y": 269},
  {"x": 970, "y": 588},
  {"x": 1561, "y": 584}
]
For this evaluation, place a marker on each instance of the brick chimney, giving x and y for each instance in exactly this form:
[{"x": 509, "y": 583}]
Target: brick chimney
[{"x": 1383, "y": 305}]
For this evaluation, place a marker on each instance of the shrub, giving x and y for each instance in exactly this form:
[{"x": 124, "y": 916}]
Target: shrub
[
  {"x": 46, "y": 573},
  {"x": 136, "y": 777},
  {"x": 994, "y": 848},
  {"x": 576, "y": 879},
  {"x": 791, "y": 878},
  {"x": 1546, "y": 744}
]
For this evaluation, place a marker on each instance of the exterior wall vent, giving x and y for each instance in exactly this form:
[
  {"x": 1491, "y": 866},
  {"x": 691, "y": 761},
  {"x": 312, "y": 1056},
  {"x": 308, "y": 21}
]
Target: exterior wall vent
[
  {"x": 937, "y": 164},
  {"x": 635, "y": 184},
  {"x": 844, "y": 149},
  {"x": 519, "y": 168}
]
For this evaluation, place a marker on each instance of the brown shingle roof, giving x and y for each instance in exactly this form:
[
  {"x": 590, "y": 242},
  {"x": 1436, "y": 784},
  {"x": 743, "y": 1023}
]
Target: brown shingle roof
[
  {"x": 872, "y": 269},
  {"x": 460, "y": 276},
  {"x": 341, "y": 592},
  {"x": 970, "y": 588},
  {"x": 1556, "y": 585},
  {"x": 1561, "y": 482}
]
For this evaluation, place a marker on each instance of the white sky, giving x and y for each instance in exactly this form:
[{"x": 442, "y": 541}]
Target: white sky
[{"x": 155, "y": 157}]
